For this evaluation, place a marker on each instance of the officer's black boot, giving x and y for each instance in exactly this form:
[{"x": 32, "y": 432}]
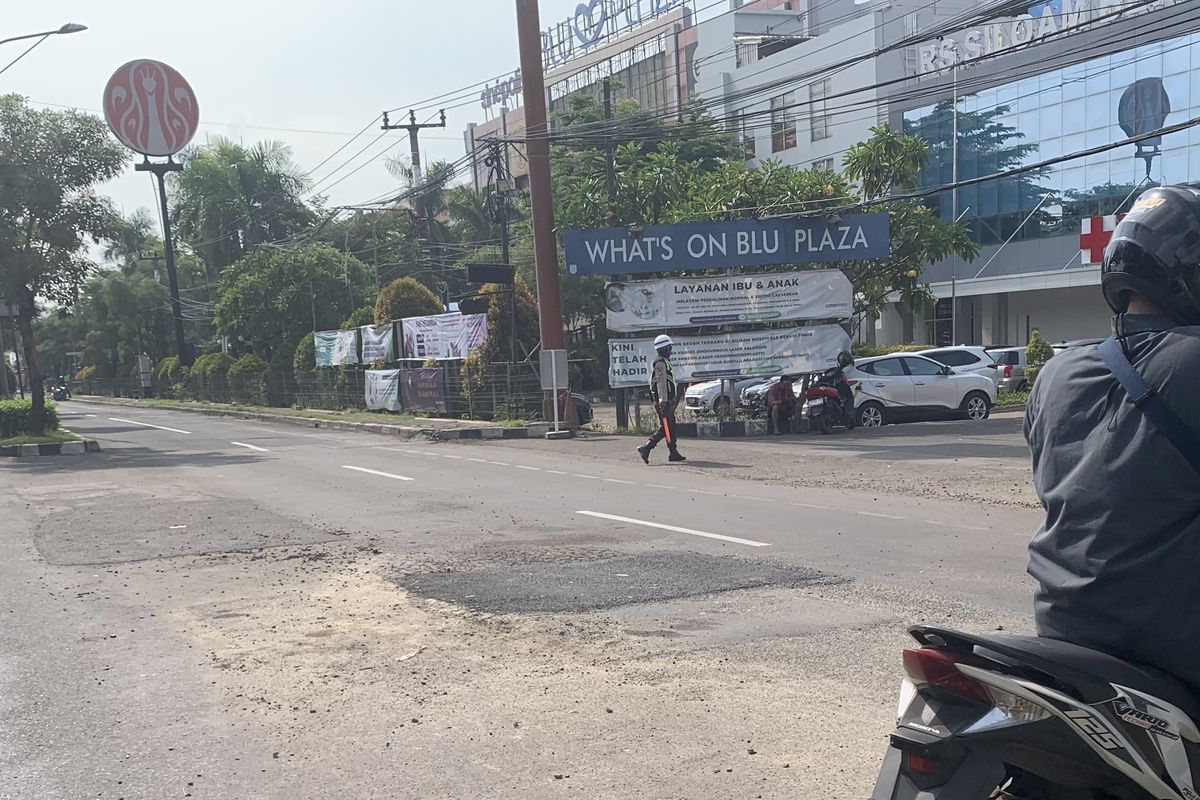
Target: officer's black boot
[
  {"x": 676, "y": 455},
  {"x": 644, "y": 451}
]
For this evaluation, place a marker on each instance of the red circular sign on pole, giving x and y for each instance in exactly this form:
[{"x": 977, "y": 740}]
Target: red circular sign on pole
[{"x": 151, "y": 108}]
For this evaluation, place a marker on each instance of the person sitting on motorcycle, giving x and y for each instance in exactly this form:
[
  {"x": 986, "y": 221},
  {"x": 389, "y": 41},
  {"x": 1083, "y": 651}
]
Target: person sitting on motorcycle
[
  {"x": 1114, "y": 561},
  {"x": 845, "y": 361},
  {"x": 781, "y": 404}
]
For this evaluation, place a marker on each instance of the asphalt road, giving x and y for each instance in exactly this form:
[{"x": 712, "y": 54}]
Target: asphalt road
[{"x": 230, "y": 609}]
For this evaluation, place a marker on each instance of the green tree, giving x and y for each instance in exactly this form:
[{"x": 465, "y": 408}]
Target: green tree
[
  {"x": 888, "y": 163},
  {"x": 274, "y": 296},
  {"x": 406, "y": 297},
  {"x": 50, "y": 165},
  {"x": 230, "y": 198}
]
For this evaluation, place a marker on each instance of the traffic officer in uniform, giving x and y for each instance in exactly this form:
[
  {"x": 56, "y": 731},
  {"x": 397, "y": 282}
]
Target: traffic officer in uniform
[{"x": 665, "y": 393}]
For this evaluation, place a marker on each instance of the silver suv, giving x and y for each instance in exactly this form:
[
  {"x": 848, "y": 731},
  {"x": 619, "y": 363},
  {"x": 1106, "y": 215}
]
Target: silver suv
[{"x": 1011, "y": 365}]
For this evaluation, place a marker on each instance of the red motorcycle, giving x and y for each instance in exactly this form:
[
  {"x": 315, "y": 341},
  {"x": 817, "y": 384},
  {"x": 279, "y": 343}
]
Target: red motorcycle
[{"x": 830, "y": 401}]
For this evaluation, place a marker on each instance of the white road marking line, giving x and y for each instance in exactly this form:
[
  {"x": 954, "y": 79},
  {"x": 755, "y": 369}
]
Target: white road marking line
[
  {"x": 973, "y": 528},
  {"x": 148, "y": 425},
  {"x": 689, "y": 531},
  {"x": 499, "y": 463},
  {"x": 618, "y": 480},
  {"x": 878, "y": 516},
  {"x": 588, "y": 477},
  {"x": 251, "y": 447},
  {"x": 933, "y": 522},
  {"x": 531, "y": 469},
  {"x": 660, "y": 486},
  {"x": 456, "y": 458},
  {"x": 478, "y": 460},
  {"x": 813, "y": 505},
  {"x": 377, "y": 472}
]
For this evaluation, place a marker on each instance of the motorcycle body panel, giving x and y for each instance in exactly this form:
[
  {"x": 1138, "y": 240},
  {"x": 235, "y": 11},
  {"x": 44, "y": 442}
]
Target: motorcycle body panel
[{"x": 1075, "y": 722}]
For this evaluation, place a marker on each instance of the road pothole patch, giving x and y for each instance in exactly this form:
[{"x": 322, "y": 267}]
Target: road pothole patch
[{"x": 588, "y": 585}]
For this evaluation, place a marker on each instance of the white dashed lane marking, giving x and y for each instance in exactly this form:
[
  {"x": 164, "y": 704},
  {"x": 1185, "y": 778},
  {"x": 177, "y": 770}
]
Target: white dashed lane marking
[
  {"x": 674, "y": 529},
  {"x": 251, "y": 447},
  {"x": 377, "y": 472},
  {"x": 148, "y": 425}
]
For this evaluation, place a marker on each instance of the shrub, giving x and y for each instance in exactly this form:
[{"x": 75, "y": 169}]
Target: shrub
[
  {"x": 247, "y": 377},
  {"x": 170, "y": 372},
  {"x": 361, "y": 317},
  {"x": 305, "y": 358},
  {"x": 15, "y": 414},
  {"x": 869, "y": 350},
  {"x": 1037, "y": 353},
  {"x": 406, "y": 297},
  {"x": 213, "y": 365}
]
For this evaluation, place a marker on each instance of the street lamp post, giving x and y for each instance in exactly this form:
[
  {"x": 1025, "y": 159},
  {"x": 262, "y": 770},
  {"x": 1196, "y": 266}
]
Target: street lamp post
[{"x": 70, "y": 27}]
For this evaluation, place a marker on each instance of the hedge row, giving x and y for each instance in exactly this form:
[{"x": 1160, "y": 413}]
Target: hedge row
[{"x": 14, "y": 417}]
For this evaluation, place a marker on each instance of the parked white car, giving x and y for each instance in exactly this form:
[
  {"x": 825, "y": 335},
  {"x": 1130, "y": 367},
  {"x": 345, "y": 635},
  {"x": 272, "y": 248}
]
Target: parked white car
[
  {"x": 888, "y": 388},
  {"x": 706, "y": 398},
  {"x": 965, "y": 359}
]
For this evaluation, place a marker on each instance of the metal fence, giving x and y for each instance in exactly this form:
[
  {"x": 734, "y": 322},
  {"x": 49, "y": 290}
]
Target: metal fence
[{"x": 489, "y": 391}]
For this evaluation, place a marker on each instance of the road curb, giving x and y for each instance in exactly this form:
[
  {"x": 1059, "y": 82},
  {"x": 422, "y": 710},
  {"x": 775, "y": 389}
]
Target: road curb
[
  {"x": 534, "y": 431},
  {"x": 52, "y": 449}
]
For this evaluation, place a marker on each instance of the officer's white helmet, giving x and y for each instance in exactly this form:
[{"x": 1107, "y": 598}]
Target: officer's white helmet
[{"x": 663, "y": 341}]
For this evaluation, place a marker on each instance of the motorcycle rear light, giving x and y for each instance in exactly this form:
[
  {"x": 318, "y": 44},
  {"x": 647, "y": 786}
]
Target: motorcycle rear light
[
  {"x": 922, "y": 764},
  {"x": 1009, "y": 710},
  {"x": 929, "y": 666}
]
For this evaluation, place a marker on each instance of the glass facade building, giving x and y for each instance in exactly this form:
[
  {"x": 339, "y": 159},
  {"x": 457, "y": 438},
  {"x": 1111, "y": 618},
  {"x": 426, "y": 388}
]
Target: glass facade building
[{"x": 1057, "y": 113}]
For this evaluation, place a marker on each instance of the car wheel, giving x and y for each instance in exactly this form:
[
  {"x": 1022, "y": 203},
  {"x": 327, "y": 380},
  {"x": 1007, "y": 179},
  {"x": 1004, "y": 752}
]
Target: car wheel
[
  {"x": 1024, "y": 387},
  {"x": 721, "y": 407},
  {"x": 871, "y": 415},
  {"x": 977, "y": 406}
]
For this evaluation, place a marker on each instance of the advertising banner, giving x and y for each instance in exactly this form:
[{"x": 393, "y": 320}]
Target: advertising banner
[
  {"x": 731, "y": 299},
  {"x": 443, "y": 336},
  {"x": 423, "y": 390},
  {"x": 383, "y": 389},
  {"x": 730, "y": 355},
  {"x": 377, "y": 343},
  {"x": 334, "y": 348},
  {"x": 725, "y": 245}
]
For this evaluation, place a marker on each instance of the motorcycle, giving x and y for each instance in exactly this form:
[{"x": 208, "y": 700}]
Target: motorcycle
[
  {"x": 60, "y": 392},
  {"x": 826, "y": 404},
  {"x": 1026, "y": 718}
]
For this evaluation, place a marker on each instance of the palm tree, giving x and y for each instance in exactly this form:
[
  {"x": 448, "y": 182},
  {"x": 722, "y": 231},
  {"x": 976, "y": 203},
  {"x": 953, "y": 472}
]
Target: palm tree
[{"x": 229, "y": 198}]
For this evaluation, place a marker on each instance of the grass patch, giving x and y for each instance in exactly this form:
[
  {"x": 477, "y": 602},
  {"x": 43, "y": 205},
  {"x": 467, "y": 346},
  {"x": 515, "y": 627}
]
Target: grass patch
[
  {"x": 1009, "y": 399},
  {"x": 49, "y": 437}
]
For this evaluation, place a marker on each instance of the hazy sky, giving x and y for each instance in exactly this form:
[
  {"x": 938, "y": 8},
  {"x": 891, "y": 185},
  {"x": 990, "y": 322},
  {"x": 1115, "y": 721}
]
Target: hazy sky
[{"x": 305, "y": 65}]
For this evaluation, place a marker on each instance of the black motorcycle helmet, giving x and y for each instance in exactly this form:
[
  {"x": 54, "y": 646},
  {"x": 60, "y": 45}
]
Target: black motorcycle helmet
[
  {"x": 1155, "y": 252},
  {"x": 845, "y": 360}
]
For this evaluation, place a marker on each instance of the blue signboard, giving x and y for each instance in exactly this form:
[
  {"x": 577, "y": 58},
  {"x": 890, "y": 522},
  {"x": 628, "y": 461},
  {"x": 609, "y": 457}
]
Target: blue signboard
[{"x": 720, "y": 245}]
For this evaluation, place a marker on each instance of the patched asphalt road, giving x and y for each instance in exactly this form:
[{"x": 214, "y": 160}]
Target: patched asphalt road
[{"x": 229, "y": 609}]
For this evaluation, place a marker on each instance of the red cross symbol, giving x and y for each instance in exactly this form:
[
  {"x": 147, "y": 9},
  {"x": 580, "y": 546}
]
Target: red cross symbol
[{"x": 1097, "y": 233}]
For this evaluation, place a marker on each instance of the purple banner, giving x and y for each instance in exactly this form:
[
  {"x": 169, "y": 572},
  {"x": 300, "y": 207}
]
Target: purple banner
[{"x": 423, "y": 390}]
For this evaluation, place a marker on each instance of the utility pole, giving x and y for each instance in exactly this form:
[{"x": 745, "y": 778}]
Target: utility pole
[
  {"x": 4, "y": 390},
  {"x": 160, "y": 170},
  {"x": 537, "y": 151},
  {"x": 619, "y": 395},
  {"x": 413, "y": 128}
]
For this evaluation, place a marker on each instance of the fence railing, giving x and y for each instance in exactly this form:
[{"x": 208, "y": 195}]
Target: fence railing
[{"x": 489, "y": 391}]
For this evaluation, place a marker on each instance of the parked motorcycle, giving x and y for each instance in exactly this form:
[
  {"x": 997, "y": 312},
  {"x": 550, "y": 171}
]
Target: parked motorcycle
[
  {"x": 1026, "y": 718},
  {"x": 826, "y": 403}
]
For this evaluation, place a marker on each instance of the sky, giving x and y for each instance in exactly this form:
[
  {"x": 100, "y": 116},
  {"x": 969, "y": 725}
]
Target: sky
[{"x": 324, "y": 68}]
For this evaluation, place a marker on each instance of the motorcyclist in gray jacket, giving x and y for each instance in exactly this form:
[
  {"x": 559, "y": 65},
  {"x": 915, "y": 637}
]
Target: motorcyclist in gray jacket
[{"x": 1117, "y": 559}]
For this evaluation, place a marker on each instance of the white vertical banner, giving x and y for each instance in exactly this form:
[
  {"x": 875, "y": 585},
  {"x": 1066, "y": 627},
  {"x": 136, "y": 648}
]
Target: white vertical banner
[
  {"x": 383, "y": 389},
  {"x": 377, "y": 343}
]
